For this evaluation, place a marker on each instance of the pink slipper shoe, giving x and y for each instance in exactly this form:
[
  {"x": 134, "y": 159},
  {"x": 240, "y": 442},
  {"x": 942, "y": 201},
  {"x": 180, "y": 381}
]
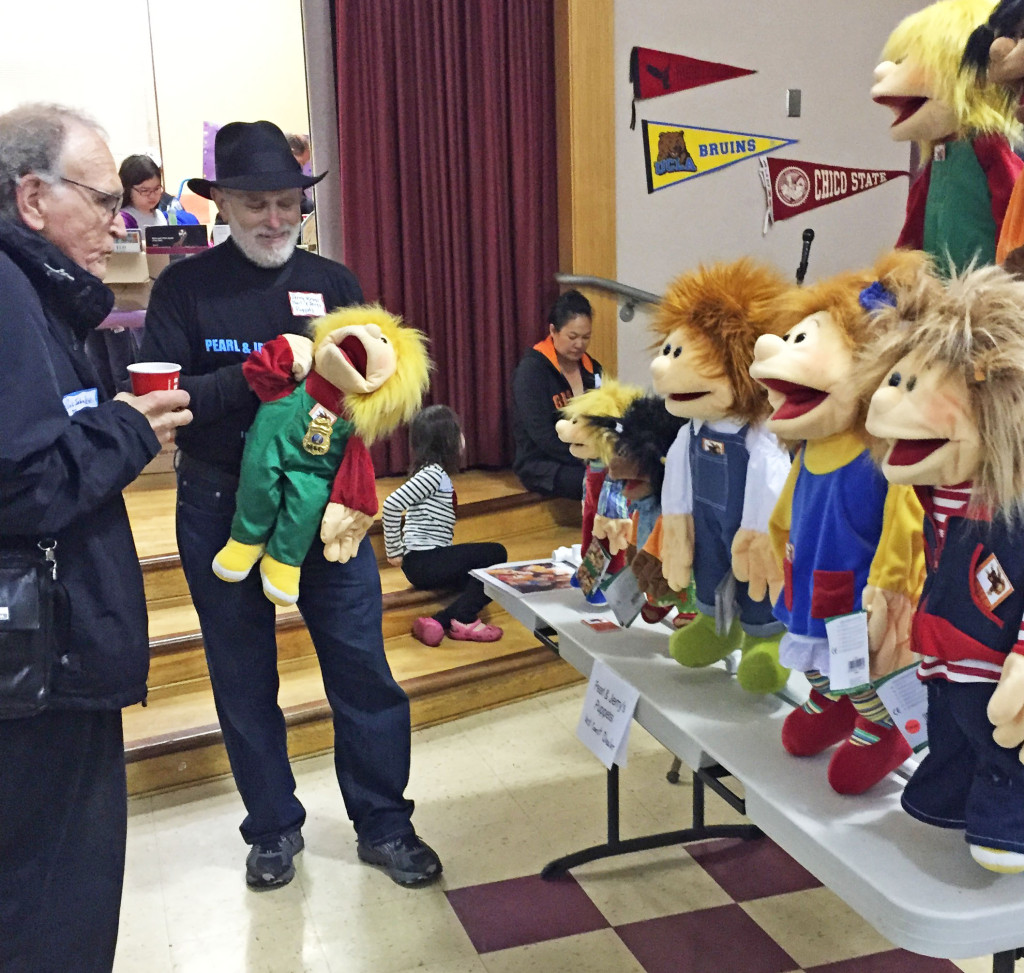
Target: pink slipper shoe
[
  {"x": 428, "y": 631},
  {"x": 475, "y": 631}
]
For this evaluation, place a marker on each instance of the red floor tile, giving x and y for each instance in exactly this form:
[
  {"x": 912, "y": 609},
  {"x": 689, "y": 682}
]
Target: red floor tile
[
  {"x": 892, "y": 961},
  {"x": 720, "y": 940},
  {"x": 519, "y": 911},
  {"x": 751, "y": 869}
]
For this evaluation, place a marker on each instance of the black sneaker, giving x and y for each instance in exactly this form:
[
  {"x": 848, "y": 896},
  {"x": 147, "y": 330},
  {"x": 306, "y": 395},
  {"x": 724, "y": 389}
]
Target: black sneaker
[
  {"x": 407, "y": 860},
  {"x": 269, "y": 863}
]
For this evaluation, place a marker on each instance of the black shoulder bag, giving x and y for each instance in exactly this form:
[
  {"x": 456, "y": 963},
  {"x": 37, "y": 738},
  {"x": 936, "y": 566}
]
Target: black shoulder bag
[{"x": 31, "y": 610}]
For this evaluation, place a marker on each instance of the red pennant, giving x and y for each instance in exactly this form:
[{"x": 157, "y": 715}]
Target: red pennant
[
  {"x": 792, "y": 187},
  {"x": 656, "y": 73}
]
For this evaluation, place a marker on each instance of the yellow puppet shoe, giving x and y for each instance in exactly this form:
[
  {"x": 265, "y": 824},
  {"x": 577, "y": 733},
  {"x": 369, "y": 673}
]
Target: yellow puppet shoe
[
  {"x": 234, "y": 560},
  {"x": 997, "y": 860},
  {"x": 280, "y": 581}
]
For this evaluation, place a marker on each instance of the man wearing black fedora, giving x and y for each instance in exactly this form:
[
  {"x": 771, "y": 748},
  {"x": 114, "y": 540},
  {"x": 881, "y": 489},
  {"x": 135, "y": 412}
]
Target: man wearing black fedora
[{"x": 208, "y": 313}]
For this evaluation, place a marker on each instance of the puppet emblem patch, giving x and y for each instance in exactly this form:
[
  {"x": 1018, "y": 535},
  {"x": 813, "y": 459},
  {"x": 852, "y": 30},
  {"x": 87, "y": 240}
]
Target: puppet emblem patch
[
  {"x": 713, "y": 446},
  {"x": 318, "y": 436},
  {"x": 992, "y": 580}
]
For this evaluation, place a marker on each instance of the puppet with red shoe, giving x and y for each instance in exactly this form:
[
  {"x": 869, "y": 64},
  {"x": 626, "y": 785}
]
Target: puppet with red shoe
[
  {"x": 950, "y": 406},
  {"x": 848, "y": 540}
]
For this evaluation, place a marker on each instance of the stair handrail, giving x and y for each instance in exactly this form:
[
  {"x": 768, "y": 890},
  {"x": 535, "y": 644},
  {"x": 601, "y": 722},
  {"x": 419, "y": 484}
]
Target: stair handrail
[{"x": 633, "y": 295}]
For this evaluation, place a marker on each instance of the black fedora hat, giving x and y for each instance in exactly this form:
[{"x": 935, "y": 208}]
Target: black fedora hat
[{"x": 255, "y": 157}]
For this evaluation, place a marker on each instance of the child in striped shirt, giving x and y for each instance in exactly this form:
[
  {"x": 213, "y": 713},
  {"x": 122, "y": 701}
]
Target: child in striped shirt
[{"x": 423, "y": 547}]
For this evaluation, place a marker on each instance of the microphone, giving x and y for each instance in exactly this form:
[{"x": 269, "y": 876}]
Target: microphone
[{"x": 801, "y": 271}]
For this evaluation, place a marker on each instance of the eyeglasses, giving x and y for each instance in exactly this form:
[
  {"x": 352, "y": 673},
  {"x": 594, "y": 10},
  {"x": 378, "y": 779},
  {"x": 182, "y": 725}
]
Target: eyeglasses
[
  {"x": 111, "y": 202},
  {"x": 157, "y": 191}
]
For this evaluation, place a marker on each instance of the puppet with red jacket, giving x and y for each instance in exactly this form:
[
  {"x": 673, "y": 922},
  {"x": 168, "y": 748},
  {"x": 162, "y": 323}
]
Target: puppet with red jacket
[
  {"x": 848, "y": 539},
  {"x": 957, "y": 202},
  {"x": 306, "y": 466},
  {"x": 724, "y": 471},
  {"x": 949, "y": 405}
]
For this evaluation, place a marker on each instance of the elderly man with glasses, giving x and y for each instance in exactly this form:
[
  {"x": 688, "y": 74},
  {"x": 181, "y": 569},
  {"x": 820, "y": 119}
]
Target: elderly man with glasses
[{"x": 66, "y": 453}]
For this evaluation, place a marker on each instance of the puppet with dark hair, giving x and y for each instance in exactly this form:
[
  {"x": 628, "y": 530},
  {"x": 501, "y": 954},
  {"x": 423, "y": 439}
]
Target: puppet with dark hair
[
  {"x": 642, "y": 439},
  {"x": 995, "y": 55},
  {"x": 848, "y": 540},
  {"x": 963, "y": 126},
  {"x": 591, "y": 438},
  {"x": 949, "y": 405},
  {"x": 724, "y": 471}
]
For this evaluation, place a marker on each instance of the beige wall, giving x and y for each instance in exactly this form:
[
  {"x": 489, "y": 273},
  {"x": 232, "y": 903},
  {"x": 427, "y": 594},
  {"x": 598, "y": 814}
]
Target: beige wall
[
  {"x": 213, "y": 60},
  {"x": 828, "y": 49}
]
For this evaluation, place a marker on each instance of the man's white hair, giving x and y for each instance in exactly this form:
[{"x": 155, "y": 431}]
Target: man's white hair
[{"x": 32, "y": 139}]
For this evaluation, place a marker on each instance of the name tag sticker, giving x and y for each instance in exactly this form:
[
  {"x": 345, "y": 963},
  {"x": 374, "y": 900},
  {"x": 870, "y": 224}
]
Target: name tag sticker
[
  {"x": 306, "y": 304},
  {"x": 82, "y": 399}
]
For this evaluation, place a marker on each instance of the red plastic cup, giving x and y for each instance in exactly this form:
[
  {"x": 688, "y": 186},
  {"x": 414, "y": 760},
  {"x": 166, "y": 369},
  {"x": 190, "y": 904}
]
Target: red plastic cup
[{"x": 154, "y": 376}]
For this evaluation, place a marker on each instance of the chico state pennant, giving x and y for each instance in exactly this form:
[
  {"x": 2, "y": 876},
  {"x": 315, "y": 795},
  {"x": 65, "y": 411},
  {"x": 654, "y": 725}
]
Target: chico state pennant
[
  {"x": 656, "y": 73},
  {"x": 675, "y": 153},
  {"x": 792, "y": 187}
]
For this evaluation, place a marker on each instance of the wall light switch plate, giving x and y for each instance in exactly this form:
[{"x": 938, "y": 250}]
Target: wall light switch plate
[{"x": 793, "y": 102}]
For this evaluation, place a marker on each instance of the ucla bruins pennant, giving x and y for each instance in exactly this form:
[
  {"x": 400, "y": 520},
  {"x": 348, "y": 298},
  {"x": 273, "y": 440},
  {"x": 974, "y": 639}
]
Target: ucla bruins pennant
[{"x": 675, "y": 153}]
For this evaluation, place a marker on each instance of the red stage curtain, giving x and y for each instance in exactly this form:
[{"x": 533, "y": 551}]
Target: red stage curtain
[{"x": 447, "y": 127}]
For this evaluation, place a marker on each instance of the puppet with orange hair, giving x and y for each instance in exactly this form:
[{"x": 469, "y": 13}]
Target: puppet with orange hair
[
  {"x": 305, "y": 463},
  {"x": 949, "y": 404},
  {"x": 848, "y": 540},
  {"x": 962, "y": 125},
  {"x": 724, "y": 471}
]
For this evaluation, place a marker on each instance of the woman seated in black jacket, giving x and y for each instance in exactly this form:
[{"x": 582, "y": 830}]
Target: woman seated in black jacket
[{"x": 547, "y": 376}]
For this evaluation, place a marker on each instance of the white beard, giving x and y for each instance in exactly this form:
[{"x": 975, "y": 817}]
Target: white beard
[{"x": 261, "y": 253}]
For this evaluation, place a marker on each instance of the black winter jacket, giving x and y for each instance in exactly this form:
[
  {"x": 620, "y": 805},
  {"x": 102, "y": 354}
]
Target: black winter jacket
[{"x": 65, "y": 457}]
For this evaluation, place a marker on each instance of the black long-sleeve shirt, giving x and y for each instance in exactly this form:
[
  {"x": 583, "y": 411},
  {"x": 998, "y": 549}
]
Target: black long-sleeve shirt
[{"x": 209, "y": 312}]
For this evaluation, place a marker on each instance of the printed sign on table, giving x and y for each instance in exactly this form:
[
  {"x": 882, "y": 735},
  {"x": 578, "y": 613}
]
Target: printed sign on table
[{"x": 607, "y": 714}]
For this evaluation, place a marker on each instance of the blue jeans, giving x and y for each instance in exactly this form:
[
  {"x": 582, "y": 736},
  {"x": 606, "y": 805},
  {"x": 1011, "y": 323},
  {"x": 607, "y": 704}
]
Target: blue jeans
[
  {"x": 967, "y": 780},
  {"x": 341, "y": 606}
]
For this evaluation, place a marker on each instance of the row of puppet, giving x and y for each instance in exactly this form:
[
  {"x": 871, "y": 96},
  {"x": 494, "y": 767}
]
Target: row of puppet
[{"x": 855, "y": 444}]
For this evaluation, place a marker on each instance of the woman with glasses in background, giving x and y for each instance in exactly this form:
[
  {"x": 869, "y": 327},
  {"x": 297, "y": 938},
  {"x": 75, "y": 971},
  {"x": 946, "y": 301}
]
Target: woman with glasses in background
[{"x": 145, "y": 202}]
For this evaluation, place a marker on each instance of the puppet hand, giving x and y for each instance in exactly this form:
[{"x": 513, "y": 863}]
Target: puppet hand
[
  {"x": 889, "y": 617},
  {"x": 342, "y": 530},
  {"x": 754, "y": 561},
  {"x": 677, "y": 549},
  {"x": 616, "y": 532},
  {"x": 647, "y": 569},
  {"x": 1006, "y": 707},
  {"x": 302, "y": 355}
]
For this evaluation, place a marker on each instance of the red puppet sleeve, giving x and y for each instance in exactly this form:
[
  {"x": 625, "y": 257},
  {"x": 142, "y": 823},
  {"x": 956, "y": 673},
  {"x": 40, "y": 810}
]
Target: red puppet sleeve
[
  {"x": 1001, "y": 168},
  {"x": 912, "y": 234},
  {"x": 355, "y": 483},
  {"x": 269, "y": 370}
]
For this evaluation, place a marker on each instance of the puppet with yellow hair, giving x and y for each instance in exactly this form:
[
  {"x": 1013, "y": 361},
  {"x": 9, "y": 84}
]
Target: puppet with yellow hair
[
  {"x": 604, "y": 507},
  {"x": 848, "y": 540},
  {"x": 962, "y": 124},
  {"x": 724, "y": 471},
  {"x": 949, "y": 405},
  {"x": 305, "y": 462}
]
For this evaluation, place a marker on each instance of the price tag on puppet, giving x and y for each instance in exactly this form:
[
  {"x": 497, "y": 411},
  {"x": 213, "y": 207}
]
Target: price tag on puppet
[
  {"x": 847, "y": 651},
  {"x": 625, "y": 597},
  {"x": 607, "y": 714},
  {"x": 906, "y": 700}
]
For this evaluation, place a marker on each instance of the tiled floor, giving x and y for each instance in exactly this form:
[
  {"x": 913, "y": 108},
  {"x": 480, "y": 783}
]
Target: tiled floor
[{"x": 498, "y": 795}]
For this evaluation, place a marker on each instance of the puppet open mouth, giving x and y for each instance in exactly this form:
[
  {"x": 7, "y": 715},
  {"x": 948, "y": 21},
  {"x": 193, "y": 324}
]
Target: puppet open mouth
[
  {"x": 902, "y": 106},
  {"x": 355, "y": 353},
  {"x": 908, "y": 452},
  {"x": 686, "y": 396},
  {"x": 800, "y": 399}
]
